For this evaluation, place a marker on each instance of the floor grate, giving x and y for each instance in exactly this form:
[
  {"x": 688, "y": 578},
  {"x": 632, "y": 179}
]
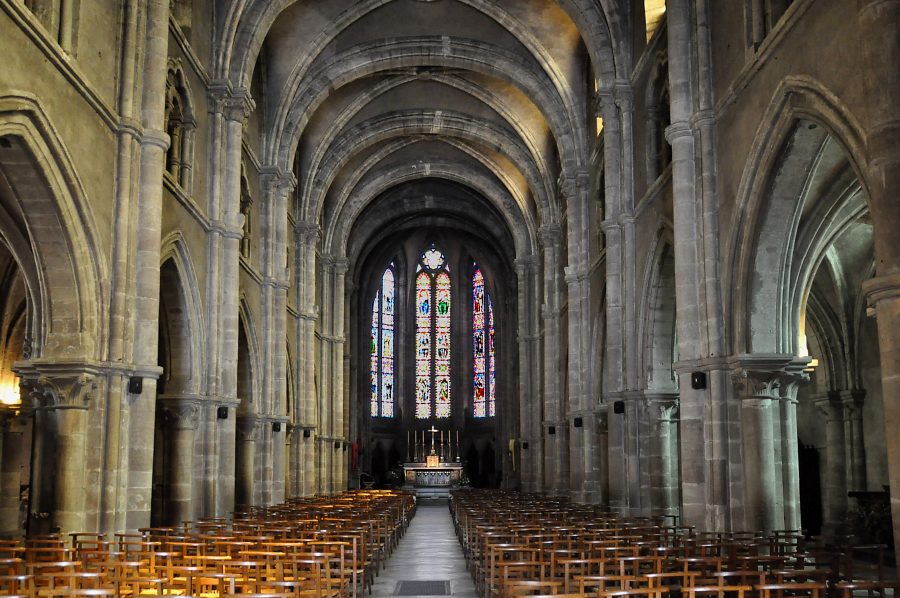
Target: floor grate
[{"x": 422, "y": 588}]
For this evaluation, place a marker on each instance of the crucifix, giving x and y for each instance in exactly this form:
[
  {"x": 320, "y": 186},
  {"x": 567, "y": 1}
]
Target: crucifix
[{"x": 432, "y": 431}]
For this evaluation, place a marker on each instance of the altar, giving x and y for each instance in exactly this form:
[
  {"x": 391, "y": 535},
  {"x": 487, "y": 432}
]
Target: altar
[
  {"x": 432, "y": 474},
  {"x": 431, "y": 481}
]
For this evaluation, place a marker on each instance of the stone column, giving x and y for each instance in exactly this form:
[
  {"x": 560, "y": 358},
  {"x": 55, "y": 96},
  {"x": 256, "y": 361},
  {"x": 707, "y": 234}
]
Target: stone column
[
  {"x": 663, "y": 409},
  {"x": 760, "y": 496},
  {"x": 834, "y": 471},
  {"x": 854, "y": 441},
  {"x": 228, "y": 110},
  {"x": 245, "y": 461},
  {"x": 709, "y": 429},
  {"x": 277, "y": 186},
  {"x": 880, "y": 50},
  {"x": 278, "y": 453},
  {"x": 339, "y": 400},
  {"x": 62, "y": 395},
  {"x": 306, "y": 387},
  {"x": 556, "y": 458},
  {"x": 290, "y": 478},
  {"x": 12, "y": 425},
  {"x": 608, "y": 107},
  {"x": 121, "y": 496},
  {"x": 530, "y": 463},
  {"x": 767, "y": 387},
  {"x": 790, "y": 454},
  {"x": 182, "y": 416}
]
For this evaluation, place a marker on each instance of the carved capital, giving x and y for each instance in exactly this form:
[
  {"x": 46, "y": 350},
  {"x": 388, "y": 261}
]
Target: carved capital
[
  {"x": 550, "y": 235},
  {"x": 59, "y": 391},
  {"x": 248, "y": 428},
  {"x": 182, "y": 414}
]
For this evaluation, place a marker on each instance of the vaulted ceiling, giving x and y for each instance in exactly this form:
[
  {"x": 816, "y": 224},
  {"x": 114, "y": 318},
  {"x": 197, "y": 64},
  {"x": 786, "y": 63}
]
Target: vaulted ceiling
[{"x": 363, "y": 98}]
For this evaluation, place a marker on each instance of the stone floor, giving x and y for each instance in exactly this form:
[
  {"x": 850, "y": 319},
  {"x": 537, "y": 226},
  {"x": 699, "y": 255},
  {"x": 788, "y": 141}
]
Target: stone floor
[{"x": 428, "y": 551}]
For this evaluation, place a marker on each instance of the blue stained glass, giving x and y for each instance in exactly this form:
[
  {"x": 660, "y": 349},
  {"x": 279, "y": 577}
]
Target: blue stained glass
[{"x": 382, "y": 371}]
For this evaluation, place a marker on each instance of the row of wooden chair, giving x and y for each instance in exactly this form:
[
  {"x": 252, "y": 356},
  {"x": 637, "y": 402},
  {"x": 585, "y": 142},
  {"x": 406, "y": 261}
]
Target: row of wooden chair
[
  {"x": 518, "y": 544},
  {"x": 319, "y": 546}
]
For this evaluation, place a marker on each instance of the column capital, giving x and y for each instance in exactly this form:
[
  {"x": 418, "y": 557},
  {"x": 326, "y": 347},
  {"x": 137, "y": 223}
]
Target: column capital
[
  {"x": 524, "y": 263},
  {"x": 550, "y": 234},
  {"x": 183, "y": 413},
  {"x": 248, "y": 427},
  {"x": 235, "y": 104},
  {"x": 57, "y": 385},
  {"x": 309, "y": 232},
  {"x": 278, "y": 179},
  {"x": 768, "y": 375},
  {"x": 882, "y": 288}
]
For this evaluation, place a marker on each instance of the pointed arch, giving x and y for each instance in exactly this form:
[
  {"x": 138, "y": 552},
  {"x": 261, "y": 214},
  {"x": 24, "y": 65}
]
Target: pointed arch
[
  {"x": 658, "y": 315},
  {"x": 182, "y": 291},
  {"x": 49, "y": 225},
  {"x": 248, "y": 384},
  {"x": 796, "y": 99}
]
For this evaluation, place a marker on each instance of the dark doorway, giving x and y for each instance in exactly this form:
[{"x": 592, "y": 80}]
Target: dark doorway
[{"x": 810, "y": 490}]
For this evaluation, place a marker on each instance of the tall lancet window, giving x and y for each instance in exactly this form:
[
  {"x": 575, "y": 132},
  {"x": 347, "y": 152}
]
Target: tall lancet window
[
  {"x": 432, "y": 336},
  {"x": 383, "y": 347},
  {"x": 484, "y": 397}
]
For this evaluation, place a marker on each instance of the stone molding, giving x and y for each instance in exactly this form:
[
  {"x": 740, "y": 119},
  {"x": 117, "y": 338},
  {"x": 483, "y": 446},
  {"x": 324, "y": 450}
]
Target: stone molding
[
  {"x": 769, "y": 375},
  {"x": 882, "y": 288},
  {"x": 60, "y": 390},
  {"x": 248, "y": 427},
  {"x": 183, "y": 413}
]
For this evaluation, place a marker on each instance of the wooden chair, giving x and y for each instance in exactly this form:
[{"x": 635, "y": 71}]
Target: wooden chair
[
  {"x": 813, "y": 589},
  {"x": 719, "y": 591}
]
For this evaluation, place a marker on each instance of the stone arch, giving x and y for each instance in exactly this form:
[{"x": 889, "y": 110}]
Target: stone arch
[
  {"x": 179, "y": 292},
  {"x": 421, "y": 123},
  {"x": 658, "y": 317},
  {"x": 246, "y": 24},
  {"x": 180, "y": 125},
  {"x": 247, "y": 369},
  {"x": 51, "y": 231},
  {"x": 797, "y": 99},
  {"x": 530, "y": 145},
  {"x": 361, "y": 61},
  {"x": 362, "y": 195},
  {"x": 659, "y": 154}
]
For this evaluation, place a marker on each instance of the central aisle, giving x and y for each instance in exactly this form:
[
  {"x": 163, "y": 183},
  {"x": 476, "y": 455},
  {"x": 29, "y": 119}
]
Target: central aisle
[{"x": 428, "y": 552}]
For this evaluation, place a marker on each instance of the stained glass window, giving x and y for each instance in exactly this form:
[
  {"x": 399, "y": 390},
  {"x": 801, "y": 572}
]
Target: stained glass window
[
  {"x": 433, "y": 336},
  {"x": 382, "y": 348},
  {"x": 484, "y": 375}
]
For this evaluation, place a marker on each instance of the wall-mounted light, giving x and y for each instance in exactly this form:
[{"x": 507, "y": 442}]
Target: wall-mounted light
[{"x": 9, "y": 394}]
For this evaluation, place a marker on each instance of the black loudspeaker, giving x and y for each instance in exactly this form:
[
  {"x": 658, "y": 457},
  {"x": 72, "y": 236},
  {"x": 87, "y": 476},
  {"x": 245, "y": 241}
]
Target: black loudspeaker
[
  {"x": 619, "y": 407},
  {"x": 306, "y": 432},
  {"x": 222, "y": 412},
  {"x": 698, "y": 380},
  {"x": 337, "y": 444},
  {"x": 578, "y": 422},
  {"x": 551, "y": 430},
  {"x": 525, "y": 446},
  {"x": 135, "y": 385},
  {"x": 276, "y": 426},
  {"x": 344, "y": 446}
]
